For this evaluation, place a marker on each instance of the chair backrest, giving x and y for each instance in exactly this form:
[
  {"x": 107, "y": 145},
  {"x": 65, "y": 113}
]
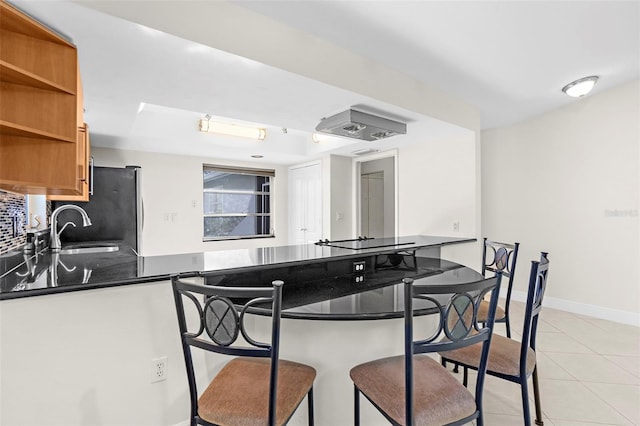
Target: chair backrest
[
  {"x": 535, "y": 294},
  {"x": 220, "y": 311},
  {"x": 456, "y": 307},
  {"x": 502, "y": 257}
]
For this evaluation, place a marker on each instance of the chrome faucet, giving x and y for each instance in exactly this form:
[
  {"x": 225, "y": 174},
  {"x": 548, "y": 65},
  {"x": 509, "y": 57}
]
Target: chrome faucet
[{"x": 55, "y": 235}]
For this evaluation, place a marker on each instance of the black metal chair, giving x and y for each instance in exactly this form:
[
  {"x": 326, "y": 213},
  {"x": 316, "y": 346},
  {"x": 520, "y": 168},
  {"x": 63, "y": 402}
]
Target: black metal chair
[
  {"x": 500, "y": 257},
  {"x": 414, "y": 389},
  {"x": 254, "y": 388},
  {"x": 509, "y": 359}
]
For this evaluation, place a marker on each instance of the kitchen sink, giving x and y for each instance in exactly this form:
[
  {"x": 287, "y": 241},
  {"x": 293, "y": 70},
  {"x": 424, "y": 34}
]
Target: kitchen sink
[{"x": 89, "y": 248}]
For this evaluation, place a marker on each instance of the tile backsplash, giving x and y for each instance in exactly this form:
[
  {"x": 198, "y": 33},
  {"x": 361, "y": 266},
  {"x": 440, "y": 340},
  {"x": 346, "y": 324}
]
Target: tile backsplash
[{"x": 13, "y": 221}]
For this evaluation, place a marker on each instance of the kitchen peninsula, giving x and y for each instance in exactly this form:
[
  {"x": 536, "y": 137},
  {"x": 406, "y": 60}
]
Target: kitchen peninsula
[
  {"x": 101, "y": 329},
  {"x": 45, "y": 272}
]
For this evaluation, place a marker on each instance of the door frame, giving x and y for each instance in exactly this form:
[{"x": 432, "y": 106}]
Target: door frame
[{"x": 356, "y": 168}]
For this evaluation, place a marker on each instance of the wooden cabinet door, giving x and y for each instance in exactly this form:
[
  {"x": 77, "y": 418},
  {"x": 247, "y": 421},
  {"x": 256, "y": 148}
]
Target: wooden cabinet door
[{"x": 83, "y": 171}]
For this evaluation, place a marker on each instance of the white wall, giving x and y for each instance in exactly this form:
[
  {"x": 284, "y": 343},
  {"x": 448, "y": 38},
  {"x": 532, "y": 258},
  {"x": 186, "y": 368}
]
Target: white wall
[
  {"x": 172, "y": 197},
  {"x": 339, "y": 212},
  {"x": 554, "y": 183},
  {"x": 437, "y": 187},
  {"x": 438, "y": 184}
]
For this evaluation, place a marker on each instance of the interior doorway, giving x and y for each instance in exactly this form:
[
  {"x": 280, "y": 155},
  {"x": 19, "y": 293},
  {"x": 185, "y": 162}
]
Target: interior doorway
[
  {"x": 372, "y": 204},
  {"x": 376, "y": 195}
]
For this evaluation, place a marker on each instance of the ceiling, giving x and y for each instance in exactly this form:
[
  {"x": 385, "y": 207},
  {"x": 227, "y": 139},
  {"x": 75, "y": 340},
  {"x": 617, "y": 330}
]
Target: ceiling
[
  {"x": 145, "y": 90},
  {"x": 508, "y": 58}
]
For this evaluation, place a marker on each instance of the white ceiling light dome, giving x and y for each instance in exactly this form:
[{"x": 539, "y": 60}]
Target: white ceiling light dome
[{"x": 580, "y": 87}]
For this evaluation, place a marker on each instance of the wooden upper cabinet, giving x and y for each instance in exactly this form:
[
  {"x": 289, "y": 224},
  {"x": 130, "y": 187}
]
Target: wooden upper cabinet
[
  {"x": 84, "y": 170},
  {"x": 40, "y": 109},
  {"x": 83, "y": 154}
]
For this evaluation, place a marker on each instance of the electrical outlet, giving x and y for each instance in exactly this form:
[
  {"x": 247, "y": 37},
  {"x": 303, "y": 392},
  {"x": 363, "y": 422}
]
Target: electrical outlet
[
  {"x": 359, "y": 267},
  {"x": 158, "y": 369},
  {"x": 456, "y": 226}
]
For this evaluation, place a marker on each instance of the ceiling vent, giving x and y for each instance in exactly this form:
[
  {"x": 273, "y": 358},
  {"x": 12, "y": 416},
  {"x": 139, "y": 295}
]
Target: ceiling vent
[{"x": 360, "y": 125}]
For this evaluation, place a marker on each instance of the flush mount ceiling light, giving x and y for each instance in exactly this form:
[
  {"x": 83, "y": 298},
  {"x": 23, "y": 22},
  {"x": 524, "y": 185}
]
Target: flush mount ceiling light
[
  {"x": 580, "y": 87},
  {"x": 207, "y": 125}
]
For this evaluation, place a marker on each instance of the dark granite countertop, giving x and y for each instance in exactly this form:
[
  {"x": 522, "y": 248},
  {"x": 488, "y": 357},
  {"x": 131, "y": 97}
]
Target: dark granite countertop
[
  {"x": 44, "y": 272},
  {"x": 327, "y": 293}
]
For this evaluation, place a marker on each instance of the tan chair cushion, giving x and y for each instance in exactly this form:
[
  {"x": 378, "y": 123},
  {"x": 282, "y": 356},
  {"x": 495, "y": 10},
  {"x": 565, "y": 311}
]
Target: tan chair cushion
[
  {"x": 439, "y": 398},
  {"x": 504, "y": 356},
  {"x": 483, "y": 312},
  {"x": 239, "y": 394}
]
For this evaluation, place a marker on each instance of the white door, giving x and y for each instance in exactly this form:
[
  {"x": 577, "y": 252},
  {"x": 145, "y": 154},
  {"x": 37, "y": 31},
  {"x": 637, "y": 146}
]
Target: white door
[{"x": 305, "y": 204}]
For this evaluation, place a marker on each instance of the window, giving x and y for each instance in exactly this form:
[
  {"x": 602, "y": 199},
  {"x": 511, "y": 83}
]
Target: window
[{"x": 236, "y": 202}]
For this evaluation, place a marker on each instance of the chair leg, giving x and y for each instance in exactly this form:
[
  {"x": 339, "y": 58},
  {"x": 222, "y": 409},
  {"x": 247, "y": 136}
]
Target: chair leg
[
  {"x": 525, "y": 403},
  {"x": 536, "y": 397},
  {"x": 356, "y": 406},
  {"x": 455, "y": 368},
  {"x": 310, "y": 402},
  {"x": 465, "y": 376},
  {"x": 508, "y": 325}
]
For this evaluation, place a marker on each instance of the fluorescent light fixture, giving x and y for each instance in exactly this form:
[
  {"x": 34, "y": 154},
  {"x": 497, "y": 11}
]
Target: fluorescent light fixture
[
  {"x": 206, "y": 125},
  {"x": 580, "y": 87}
]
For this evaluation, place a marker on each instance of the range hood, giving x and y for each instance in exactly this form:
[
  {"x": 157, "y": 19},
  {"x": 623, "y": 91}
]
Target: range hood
[{"x": 360, "y": 125}]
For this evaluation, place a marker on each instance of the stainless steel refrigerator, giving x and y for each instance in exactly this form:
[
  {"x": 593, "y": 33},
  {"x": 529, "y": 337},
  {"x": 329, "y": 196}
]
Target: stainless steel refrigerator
[{"x": 114, "y": 207}]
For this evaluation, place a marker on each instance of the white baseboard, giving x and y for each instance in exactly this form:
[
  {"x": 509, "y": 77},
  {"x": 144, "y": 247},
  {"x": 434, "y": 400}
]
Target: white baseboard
[
  {"x": 615, "y": 315},
  {"x": 183, "y": 423}
]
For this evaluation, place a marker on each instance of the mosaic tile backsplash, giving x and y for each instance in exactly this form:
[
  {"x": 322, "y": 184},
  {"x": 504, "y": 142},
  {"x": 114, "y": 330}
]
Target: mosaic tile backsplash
[{"x": 13, "y": 221}]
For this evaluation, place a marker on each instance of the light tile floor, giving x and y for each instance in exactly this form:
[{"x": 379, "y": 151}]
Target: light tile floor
[{"x": 589, "y": 371}]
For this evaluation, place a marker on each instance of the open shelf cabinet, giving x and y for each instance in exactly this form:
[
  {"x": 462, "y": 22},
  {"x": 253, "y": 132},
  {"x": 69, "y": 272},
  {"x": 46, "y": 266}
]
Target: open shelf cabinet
[{"x": 42, "y": 136}]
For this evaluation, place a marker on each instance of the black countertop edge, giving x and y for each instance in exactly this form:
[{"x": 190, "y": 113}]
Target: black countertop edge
[
  {"x": 338, "y": 253},
  {"x": 353, "y": 317},
  {"x": 80, "y": 287}
]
